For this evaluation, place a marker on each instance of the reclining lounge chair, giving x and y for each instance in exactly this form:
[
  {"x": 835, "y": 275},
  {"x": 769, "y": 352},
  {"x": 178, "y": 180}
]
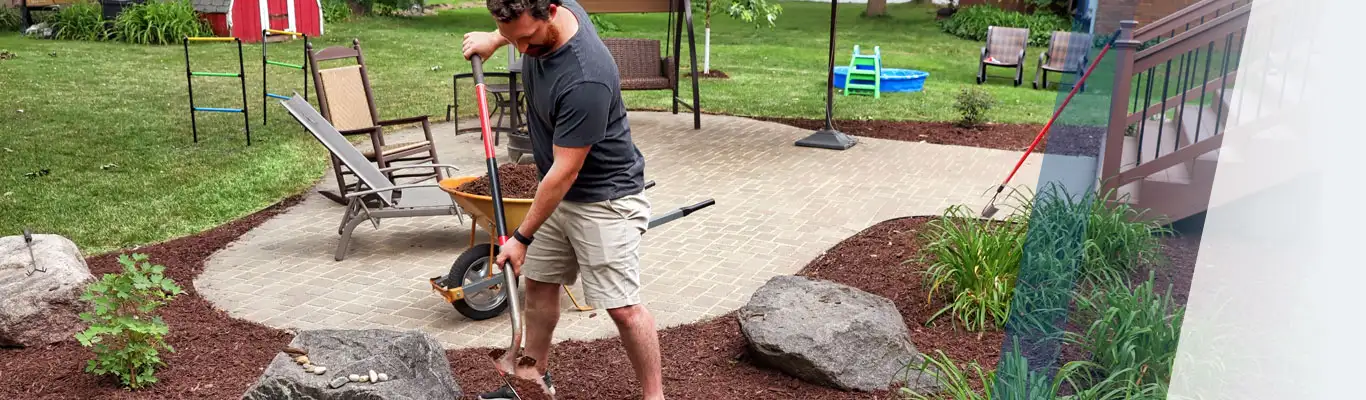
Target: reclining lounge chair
[{"x": 374, "y": 198}]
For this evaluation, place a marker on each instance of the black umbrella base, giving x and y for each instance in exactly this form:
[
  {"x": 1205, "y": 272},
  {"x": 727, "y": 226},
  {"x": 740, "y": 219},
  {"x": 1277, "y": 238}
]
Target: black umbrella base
[{"x": 828, "y": 139}]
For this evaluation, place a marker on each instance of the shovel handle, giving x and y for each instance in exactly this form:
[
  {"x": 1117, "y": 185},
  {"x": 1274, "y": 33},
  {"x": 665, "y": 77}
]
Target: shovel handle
[{"x": 500, "y": 221}]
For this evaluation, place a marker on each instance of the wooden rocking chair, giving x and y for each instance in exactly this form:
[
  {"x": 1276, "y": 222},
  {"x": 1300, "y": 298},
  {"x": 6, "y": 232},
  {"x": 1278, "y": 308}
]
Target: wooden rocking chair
[{"x": 348, "y": 103}]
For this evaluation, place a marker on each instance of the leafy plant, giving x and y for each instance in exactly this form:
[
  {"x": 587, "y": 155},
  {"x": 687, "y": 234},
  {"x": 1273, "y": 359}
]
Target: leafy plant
[
  {"x": 336, "y": 11},
  {"x": 603, "y": 24},
  {"x": 1133, "y": 333},
  {"x": 971, "y": 23},
  {"x": 757, "y": 12},
  {"x": 160, "y": 22},
  {"x": 972, "y": 104},
  {"x": 1117, "y": 241},
  {"x": 9, "y": 18},
  {"x": 125, "y": 332},
  {"x": 976, "y": 262},
  {"x": 1013, "y": 380},
  {"x": 82, "y": 20}
]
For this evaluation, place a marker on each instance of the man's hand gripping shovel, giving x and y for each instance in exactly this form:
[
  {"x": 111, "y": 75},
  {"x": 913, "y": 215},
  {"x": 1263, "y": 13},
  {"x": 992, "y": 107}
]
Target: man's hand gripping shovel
[{"x": 506, "y": 361}]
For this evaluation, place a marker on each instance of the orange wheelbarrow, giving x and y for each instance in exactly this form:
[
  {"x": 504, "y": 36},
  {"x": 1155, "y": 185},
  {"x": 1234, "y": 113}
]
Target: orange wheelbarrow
[{"x": 474, "y": 285}]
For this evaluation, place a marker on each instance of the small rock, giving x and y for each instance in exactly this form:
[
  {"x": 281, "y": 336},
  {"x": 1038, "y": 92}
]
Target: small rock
[
  {"x": 383, "y": 377},
  {"x": 373, "y": 377},
  {"x": 337, "y": 382},
  {"x": 364, "y": 378},
  {"x": 295, "y": 351},
  {"x": 301, "y": 360},
  {"x": 354, "y": 378},
  {"x": 309, "y": 368},
  {"x": 320, "y": 370}
]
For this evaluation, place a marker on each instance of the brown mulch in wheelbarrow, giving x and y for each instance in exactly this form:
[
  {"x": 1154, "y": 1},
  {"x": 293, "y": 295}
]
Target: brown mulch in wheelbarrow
[
  {"x": 219, "y": 357},
  {"x": 515, "y": 181}
]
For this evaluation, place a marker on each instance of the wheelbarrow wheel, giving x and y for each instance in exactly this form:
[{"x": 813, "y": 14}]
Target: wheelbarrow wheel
[{"x": 472, "y": 267}]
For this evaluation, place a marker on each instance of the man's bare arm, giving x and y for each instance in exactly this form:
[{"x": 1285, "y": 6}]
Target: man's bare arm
[{"x": 568, "y": 162}]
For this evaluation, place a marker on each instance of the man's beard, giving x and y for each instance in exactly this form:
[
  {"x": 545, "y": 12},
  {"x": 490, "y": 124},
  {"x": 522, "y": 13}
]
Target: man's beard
[{"x": 537, "y": 50}]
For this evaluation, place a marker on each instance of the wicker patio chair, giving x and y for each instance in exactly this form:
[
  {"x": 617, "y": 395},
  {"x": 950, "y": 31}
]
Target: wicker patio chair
[
  {"x": 1005, "y": 48},
  {"x": 379, "y": 201},
  {"x": 1066, "y": 53},
  {"x": 347, "y": 101},
  {"x": 640, "y": 65}
]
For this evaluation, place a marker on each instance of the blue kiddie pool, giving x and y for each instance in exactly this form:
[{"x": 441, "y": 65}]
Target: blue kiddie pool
[{"x": 893, "y": 79}]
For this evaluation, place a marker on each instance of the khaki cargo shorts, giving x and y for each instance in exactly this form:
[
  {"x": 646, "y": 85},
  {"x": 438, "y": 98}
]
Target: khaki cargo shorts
[{"x": 599, "y": 241}]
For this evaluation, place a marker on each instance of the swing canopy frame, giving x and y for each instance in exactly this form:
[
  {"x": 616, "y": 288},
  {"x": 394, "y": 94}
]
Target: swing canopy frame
[{"x": 629, "y": 53}]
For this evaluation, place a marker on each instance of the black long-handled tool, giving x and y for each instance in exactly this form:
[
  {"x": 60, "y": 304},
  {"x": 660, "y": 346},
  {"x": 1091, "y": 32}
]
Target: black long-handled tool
[{"x": 504, "y": 364}]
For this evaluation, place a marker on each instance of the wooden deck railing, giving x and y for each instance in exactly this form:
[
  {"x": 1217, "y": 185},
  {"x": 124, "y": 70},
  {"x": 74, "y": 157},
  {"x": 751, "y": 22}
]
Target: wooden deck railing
[{"x": 1191, "y": 63}]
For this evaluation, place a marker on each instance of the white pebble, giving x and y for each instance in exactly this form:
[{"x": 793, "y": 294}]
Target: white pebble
[
  {"x": 365, "y": 378},
  {"x": 354, "y": 378},
  {"x": 383, "y": 377},
  {"x": 319, "y": 370},
  {"x": 373, "y": 377}
]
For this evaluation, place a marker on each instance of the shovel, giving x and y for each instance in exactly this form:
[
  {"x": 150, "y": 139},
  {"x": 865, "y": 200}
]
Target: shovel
[{"x": 504, "y": 360}]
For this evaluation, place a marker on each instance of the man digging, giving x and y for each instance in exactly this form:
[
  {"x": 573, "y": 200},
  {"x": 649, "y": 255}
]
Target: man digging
[{"x": 589, "y": 212}]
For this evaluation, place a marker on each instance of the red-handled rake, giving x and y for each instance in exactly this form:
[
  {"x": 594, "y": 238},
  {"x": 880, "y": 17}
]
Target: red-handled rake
[{"x": 991, "y": 208}]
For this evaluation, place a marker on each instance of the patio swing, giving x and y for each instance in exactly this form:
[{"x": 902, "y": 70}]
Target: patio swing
[{"x": 639, "y": 61}]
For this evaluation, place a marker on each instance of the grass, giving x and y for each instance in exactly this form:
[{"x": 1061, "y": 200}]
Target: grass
[{"x": 87, "y": 105}]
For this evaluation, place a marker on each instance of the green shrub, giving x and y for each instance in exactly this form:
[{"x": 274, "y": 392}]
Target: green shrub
[
  {"x": 159, "y": 22},
  {"x": 972, "y": 105},
  {"x": 1132, "y": 334},
  {"x": 125, "y": 332},
  {"x": 9, "y": 18},
  {"x": 971, "y": 23},
  {"x": 82, "y": 20},
  {"x": 336, "y": 11},
  {"x": 975, "y": 261},
  {"x": 1117, "y": 243},
  {"x": 603, "y": 24},
  {"x": 1012, "y": 380}
]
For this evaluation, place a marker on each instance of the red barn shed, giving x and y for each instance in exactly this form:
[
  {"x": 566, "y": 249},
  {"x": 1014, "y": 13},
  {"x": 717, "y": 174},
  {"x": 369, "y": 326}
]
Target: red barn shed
[{"x": 244, "y": 19}]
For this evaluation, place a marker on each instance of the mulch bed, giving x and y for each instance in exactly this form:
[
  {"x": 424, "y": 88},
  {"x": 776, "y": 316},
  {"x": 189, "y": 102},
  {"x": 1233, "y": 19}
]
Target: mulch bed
[
  {"x": 219, "y": 357},
  {"x": 1061, "y": 140},
  {"x": 714, "y": 74},
  {"x": 515, "y": 181}
]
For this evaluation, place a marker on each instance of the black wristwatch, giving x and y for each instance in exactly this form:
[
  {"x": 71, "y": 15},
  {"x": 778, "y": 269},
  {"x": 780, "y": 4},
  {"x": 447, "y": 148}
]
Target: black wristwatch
[{"x": 526, "y": 241}]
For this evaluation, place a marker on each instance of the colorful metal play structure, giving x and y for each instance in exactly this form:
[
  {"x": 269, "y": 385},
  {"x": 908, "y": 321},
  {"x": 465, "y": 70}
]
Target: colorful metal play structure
[
  {"x": 266, "y": 95},
  {"x": 240, "y": 75}
]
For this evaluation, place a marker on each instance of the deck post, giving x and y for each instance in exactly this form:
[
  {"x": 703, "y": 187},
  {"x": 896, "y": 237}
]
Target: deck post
[{"x": 1112, "y": 149}]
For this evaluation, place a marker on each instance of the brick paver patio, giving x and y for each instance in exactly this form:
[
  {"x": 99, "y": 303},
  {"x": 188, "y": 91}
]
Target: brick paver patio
[{"x": 778, "y": 206}]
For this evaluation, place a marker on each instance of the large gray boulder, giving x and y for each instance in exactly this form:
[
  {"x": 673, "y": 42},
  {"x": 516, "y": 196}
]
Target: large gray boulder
[
  {"x": 833, "y": 335},
  {"x": 40, "y": 304},
  {"x": 413, "y": 361}
]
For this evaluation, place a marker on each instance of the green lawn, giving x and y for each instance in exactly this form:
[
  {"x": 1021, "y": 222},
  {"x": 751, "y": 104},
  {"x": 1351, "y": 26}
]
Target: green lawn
[{"x": 86, "y": 105}]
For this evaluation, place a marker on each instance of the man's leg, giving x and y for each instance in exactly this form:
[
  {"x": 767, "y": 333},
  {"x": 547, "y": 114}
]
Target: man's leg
[
  {"x": 550, "y": 262},
  {"x": 638, "y": 335},
  {"x": 606, "y": 238},
  {"x": 542, "y": 314}
]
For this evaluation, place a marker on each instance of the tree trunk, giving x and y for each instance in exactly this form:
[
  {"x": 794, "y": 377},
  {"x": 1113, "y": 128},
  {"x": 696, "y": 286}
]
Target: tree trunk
[
  {"x": 706, "y": 46},
  {"x": 876, "y": 8}
]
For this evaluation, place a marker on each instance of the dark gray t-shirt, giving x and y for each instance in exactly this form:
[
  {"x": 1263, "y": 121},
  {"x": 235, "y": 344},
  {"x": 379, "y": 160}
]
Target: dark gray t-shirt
[{"x": 574, "y": 100}]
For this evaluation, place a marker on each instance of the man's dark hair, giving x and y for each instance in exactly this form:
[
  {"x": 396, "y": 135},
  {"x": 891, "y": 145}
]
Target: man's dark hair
[{"x": 508, "y": 10}]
